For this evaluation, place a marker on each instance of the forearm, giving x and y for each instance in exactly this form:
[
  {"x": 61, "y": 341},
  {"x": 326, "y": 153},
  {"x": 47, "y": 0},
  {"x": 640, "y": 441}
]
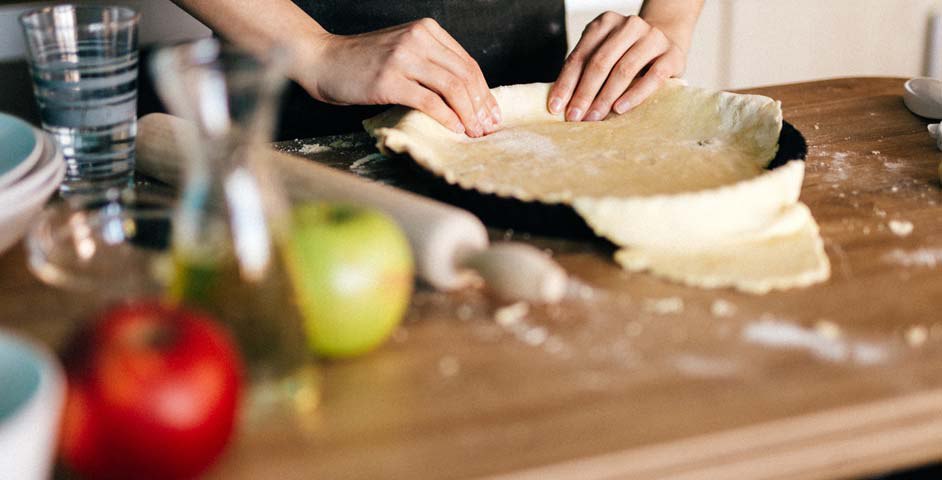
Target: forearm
[
  {"x": 259, "y": 26},
  {"x": 676, "y": 18}
]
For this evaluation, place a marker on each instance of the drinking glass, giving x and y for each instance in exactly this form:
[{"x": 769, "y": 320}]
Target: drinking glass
[{"x": 83, "y": 62}]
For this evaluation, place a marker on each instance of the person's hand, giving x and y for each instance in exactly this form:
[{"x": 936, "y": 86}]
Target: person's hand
[
  {"x": 417, "y": 64},
  {"x": 602, "y": 72}
]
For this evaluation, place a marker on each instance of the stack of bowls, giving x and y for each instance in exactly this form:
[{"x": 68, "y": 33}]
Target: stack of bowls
[
  {"x": 31, "y": 169},
  {"x": 32, "y": 395}
]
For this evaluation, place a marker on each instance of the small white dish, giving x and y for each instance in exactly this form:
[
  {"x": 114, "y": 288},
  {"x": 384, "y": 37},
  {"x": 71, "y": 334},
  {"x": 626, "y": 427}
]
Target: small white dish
[
  {"x": 24, "y": 201},
  {"x": 31, "y": 404},
  {"x": 20, "y": 148},
  {"x": 923, "y": 96},
  {"x": 37, "y": 177}
]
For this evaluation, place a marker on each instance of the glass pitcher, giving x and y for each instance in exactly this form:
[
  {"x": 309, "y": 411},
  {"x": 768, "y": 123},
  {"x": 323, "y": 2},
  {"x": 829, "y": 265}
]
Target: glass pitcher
[{"x": 232, "y": 217}]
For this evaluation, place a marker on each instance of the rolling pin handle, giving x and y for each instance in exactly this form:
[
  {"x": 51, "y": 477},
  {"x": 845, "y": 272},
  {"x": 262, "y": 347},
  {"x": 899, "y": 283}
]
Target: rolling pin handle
[{"x": 516, "y": 271}]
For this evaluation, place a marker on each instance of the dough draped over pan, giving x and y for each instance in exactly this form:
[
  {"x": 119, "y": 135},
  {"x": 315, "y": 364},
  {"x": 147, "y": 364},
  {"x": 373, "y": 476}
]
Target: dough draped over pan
[
  {"x": 788, "y": 253},
  {"x": 680, "y": 140},
  {"x": 680, "y": 181}
]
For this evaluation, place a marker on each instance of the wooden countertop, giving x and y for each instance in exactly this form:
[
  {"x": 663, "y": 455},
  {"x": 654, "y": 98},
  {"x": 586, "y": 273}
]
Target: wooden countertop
[{"x": 634, "y": 377}]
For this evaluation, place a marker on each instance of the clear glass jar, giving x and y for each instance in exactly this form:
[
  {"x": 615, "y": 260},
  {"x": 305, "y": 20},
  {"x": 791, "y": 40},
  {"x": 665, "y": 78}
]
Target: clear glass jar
[{"x": 232, "y": 218}]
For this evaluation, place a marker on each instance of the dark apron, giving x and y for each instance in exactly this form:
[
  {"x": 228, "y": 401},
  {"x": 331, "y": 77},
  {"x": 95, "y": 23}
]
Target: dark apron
[{"x": 514, "y": 41}]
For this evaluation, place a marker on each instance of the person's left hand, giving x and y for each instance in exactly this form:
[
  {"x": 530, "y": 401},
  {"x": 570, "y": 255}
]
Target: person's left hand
[{"x": 601, "y": 73}]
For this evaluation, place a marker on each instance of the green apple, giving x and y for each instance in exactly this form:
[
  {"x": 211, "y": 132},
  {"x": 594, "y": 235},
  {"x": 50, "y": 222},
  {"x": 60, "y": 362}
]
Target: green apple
[{"x": 352, "y": 272}]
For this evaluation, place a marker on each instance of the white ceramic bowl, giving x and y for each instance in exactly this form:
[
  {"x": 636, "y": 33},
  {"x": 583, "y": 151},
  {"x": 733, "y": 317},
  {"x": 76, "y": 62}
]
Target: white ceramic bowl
[
  {"x": 31, "y": 402},
  {"x": 21, "y": 202},
  {"x": 923, "y": 96},
  {"x": 22, "y": 147},
  {"x": 37, "y": 177}
]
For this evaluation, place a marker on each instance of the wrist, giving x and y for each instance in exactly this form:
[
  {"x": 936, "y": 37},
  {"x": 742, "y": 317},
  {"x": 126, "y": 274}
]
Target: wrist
[
  {"x": 310, "y": 58},
  {"x": 678, "y": 31}
]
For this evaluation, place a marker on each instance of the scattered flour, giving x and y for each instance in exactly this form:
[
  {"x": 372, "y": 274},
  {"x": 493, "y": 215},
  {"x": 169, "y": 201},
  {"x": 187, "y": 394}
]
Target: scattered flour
[
  {"x": 893, "y": 166},
  {"x": 828, "y": 329},
  {"x": 664, "y": 306},
  {"x": 313, "y": 148},
  {"x": 512, "y": 319},
  {"x": 535, "y": 336},
  {"x": 512, "y": 314},
  {"x": 360, "y": 162},
  {"x": 923, "y": 257},
  {"x": 722, "y": 308},
  {"x": 581, "y": 290},
  {"x": 837, "y": 167},
  {"x": 775, "y": 333},
  {"x": 900, "y": 228},
  {"x": 917, "y": 336},
  {"x": 341, "y": 144}
]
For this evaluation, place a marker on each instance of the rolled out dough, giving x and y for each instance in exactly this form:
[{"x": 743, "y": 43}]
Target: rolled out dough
[
  {"x": 680, "y": 181},
  {"x": 789, "y": 253}
]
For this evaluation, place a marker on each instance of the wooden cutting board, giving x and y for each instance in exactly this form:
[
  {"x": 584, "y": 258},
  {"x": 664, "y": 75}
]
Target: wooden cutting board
[{"x": 633, "y": 377}]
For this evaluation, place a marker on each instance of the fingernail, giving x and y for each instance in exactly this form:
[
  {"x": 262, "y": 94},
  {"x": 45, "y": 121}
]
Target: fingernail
[
  {"x": 593, "y": 116},
  {"x": 555, "y": 105},
  {"x": 622, "y": 106},
  {"x": 458, "y": 128},
  {"x": 496, "y": 114},
  {"x": 488, "y": 125},
  {"x": 482, "y": 116},
  {"x": 574, "y": 114}
]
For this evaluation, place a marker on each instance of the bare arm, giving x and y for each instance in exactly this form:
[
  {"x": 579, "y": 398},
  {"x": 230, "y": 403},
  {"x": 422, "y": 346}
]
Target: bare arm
[
  {"x": 259, "y": 26},
  {"x": 676, "y": 18},
  {"x": 604, "y": 71},
  {"x": 417, "y": 64}
]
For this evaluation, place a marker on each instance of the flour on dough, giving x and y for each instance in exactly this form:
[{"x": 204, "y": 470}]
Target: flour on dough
[
  {"x": 681, "y": 140},
  {"x": 680, "y": 181}
]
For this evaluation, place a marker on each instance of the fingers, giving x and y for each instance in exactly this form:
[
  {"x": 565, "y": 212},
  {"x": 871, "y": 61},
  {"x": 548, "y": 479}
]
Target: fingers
[
  {"x": 483, "y": 93},
  {"x": 451, "y": 63},
  {"x": 417, "y": 56},
  {"x": 562, "y": 90},
  {"x": 600, "y": 75},
  {"x": 454, "y": 90},
  {"x": 624, "y": 72},
  {"x": 417, "y": 65},
  {"x": 663, "y": 68},
  {"x": 422, "y": 99},
  {"x": 621, "y": 39}
]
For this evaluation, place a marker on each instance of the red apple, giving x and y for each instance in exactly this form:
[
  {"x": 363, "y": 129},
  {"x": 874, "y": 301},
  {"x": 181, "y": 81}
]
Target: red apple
[{"x": 152, "y": 393}]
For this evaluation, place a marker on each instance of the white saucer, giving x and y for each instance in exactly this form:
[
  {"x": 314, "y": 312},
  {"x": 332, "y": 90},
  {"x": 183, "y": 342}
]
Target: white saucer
[
  {"x": 37, "y": 177},
  {"x": 20, "y": 148},
  {"x": 24, "y": 200},
  {"x": 31, "y": 402},
  {"x": 923, "y": 96}
]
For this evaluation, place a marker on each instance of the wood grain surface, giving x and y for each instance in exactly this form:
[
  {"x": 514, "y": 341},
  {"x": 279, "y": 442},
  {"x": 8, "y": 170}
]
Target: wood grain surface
[{"x": 634, "y": 377}]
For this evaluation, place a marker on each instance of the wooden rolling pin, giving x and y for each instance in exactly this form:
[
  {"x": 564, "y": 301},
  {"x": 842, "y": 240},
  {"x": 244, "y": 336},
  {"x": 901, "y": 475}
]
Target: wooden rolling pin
[{"x": 449, "y": 244}]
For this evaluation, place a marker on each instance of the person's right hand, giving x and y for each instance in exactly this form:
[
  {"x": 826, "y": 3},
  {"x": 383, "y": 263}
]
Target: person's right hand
[{"x": 417, "y": 64}]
